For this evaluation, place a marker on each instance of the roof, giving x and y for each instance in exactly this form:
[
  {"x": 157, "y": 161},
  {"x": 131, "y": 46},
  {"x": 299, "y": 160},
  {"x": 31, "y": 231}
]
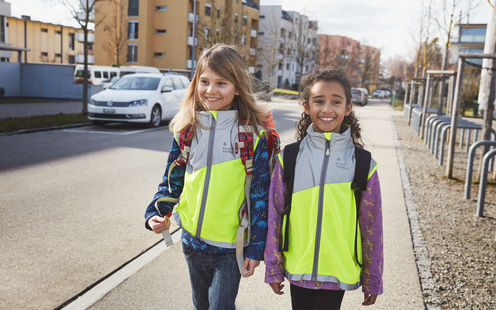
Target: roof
[
  {"x": 251, "y": 4},
  {"x": 286, "y": 16}
]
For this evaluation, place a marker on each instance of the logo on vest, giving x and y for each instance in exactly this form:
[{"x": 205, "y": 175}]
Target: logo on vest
[
  {"x": 340, "y": 165},
  {"x": 227, "y": 148}
]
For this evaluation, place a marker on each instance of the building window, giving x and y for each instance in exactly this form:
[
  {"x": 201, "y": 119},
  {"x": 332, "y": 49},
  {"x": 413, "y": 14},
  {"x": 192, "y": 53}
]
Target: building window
[
  {"x": 261, "y": 33},
  {"x": 58, "y": 55},
  {"x": 44, "y": 30},
  {"x": 206, "y": 33},
  {"x": 2, "y": 29},
  {"x": 159, "y": 55},
  {"x": 218, "y": 13},
  {"x": 132, "y": 53},
  {"x": 44, "y": 54},
  {"x": 133, "y": 8},
  {"x": 72, "y": 59},
  {"x": 160, "y": 31},
  {"x": 287, "y": 66},
  {"x": 207, "y": 9},
  {"x": 132, "y": 31},
  {"x": 90, "y": 46},
  {"x": 245, "y": 20},
  {"x": 262, "y": 16},
  {"x": 71, "y": 41},
  {"x": 236, "y": 17},
  {"x": 58, "y": 32},
  {"x": 161, "y": 8},
  {"x": 243, "y": 40}
]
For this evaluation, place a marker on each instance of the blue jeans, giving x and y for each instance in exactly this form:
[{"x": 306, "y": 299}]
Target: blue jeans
[{"x": 214, "y": 279}]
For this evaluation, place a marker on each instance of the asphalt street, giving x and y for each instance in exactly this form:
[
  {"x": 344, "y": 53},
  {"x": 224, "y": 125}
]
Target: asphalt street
[{"x": 73, "y": 202}]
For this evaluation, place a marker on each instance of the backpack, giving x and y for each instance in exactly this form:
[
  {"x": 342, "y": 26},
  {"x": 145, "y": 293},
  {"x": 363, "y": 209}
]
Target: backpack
[{"x": 359, "y": 184}]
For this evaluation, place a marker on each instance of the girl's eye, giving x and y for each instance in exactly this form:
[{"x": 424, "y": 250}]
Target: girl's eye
[
  {"x": 221, "y": 83},
  {"x": 337, "y": 102},
  {"x": 204, "y": 82}
]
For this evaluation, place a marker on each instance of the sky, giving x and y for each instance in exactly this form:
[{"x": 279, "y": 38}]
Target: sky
[{"x": 385, "y": 24}]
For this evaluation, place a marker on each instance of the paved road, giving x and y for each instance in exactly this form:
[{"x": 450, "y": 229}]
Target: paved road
[{"x": 72, "y": 206}]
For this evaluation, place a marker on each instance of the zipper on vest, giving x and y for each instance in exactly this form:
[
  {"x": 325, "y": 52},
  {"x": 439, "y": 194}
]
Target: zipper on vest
[
  {"x": 318, "y": 233},
  {"x": 211, "y": 135}
]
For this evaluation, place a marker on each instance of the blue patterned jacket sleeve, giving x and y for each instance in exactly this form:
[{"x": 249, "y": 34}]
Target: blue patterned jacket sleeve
[
  {"x": 259, "y": 201},
  {"x": 176, "y": 182}
]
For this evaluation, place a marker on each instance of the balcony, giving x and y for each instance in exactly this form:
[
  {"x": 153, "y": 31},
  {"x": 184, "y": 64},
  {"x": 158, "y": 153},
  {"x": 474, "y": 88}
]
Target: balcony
[
  {"x": 80, "y": 37},
  {"x": 80, "y": 59},
  {"x": 253, "y": 52},
  {"x": 253, "y": 33},
  {"x": 251, "y": 70},
  {"x": 190, "y": 41},
  {"x": 190, "y": 17},
  {"x": 188, "y": 64}
]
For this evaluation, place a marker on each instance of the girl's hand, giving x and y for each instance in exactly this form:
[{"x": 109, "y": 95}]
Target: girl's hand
[
  {"x": 250, "y": 265},
  {"x": 368, "y": 299},
  {"x": 277, "y": 288},
  {"x": 159, "y": 224}
]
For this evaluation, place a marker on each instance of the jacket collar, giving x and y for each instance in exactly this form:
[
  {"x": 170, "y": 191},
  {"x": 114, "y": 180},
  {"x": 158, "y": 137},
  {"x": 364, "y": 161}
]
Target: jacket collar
[{"x": 341, "y": 140}]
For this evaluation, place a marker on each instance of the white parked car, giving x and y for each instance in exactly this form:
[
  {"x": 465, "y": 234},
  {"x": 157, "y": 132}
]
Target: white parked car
[{"x": 139, "y": 98}]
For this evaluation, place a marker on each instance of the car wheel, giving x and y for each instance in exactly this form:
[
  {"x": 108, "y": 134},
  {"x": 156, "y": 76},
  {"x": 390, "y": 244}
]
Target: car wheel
[{"x": 155, "y": 116}]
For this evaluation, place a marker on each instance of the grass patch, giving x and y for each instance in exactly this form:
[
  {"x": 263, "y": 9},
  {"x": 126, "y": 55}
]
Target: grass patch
[
  {"x": 280, "y": 91},
  {"x": 18, "y": 123}
]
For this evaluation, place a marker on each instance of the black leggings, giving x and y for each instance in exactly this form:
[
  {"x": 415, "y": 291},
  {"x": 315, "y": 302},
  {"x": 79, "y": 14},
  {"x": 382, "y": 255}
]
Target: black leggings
[{"x": 310, "y": 299}]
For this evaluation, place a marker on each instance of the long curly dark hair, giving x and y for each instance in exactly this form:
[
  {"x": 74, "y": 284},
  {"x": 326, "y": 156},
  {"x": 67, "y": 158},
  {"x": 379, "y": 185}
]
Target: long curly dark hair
[{"x": 328, "y": 75}]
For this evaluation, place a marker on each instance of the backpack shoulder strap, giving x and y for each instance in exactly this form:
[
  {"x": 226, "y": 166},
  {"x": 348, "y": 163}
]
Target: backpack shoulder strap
[
  {"x": 362, "y": 167},
  {"x": 289, "y": 162},
  {"x": 359, "y": 184},
  {"x": 184, "y": 142}
]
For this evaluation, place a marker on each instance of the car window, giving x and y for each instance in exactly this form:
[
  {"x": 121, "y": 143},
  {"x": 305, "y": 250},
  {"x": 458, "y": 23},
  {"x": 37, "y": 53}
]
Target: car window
[
  {"x": 178, "y": 84},
  {"x": 98, "y": 74},
  {"x": 168, "y": 83},
  {"x": 185, "y": 81},
  {"x": 105, "y": 75},
  {"x": 112, "y": 74},
  {"x": 136, "y": 83},
  {"x": 355, "y": 92}
]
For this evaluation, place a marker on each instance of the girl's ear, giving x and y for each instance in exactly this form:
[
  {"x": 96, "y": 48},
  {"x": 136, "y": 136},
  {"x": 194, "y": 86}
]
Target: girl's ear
[
  {"x": 306, "y": 107},
  {"x": 349, "y": 108}
]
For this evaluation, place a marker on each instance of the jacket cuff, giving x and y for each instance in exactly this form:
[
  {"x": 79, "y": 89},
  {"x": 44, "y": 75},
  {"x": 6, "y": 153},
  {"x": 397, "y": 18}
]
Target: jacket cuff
[
  {"x": 274, "y": 274},
  {"x": 371, "y": 285},
  {"x": 255, "y": 251}
]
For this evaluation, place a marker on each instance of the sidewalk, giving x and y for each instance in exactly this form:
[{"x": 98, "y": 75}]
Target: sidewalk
[
  {"x": 40, "y": 108},
  {"x": 164, "y": 283}
]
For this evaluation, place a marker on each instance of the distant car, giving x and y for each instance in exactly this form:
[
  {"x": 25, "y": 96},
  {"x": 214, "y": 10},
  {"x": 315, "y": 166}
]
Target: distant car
[
  {"x": 360, "y": 96},
  {"x": 381, "y": 93},
  {"x": 139, "y": 98}
]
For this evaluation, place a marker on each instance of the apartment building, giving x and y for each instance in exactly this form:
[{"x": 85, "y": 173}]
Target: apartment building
[
  {"x": 160, "y": 33},
  {"x": 343, "y": 52},
  {"x": 45, "y": 42},
  {"x": 288, "y": 46},
  {"x": 468, "y": 38}
]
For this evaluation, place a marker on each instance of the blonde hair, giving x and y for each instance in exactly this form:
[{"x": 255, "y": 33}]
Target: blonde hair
[{"x": 228, "y": 63}]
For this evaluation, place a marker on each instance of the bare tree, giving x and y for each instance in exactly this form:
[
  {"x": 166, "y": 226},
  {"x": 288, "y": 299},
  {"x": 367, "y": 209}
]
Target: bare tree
[
  {"x": 370, "y": 65},
  {"x": 305, "y": 32},
  {"x": 83, "y": 13},
  {"x": 115, "y": 26},
  {"x": 269, "y": 46}
]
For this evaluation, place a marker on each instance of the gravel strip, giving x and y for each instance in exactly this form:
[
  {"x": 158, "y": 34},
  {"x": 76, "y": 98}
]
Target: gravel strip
[{"x": 461, "y": 246}]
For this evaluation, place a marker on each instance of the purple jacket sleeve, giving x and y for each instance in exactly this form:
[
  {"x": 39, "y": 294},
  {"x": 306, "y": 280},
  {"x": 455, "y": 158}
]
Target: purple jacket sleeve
[
  {"x": 370, "y": 219},
  {"x": 274, "y": 268}
]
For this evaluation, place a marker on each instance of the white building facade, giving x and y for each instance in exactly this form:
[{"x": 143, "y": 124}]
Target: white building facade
[{"x": 286, "y": 40}]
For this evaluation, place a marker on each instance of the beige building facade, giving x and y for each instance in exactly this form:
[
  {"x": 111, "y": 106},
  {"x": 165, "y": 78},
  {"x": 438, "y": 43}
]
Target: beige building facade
[
  {"x": 159, "y": 33},
  {"x": 47, "y": 43}
]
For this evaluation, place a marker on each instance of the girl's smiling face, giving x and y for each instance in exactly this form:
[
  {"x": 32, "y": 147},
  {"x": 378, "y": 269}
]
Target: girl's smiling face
[
  {"x": 326, "y": 106},
  {"x": 216, "y": 92}
]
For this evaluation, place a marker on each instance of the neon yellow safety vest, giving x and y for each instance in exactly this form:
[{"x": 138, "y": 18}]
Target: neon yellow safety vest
[
  {"x": 214, "y": 182},
  {"x": 323, "y": 212}
]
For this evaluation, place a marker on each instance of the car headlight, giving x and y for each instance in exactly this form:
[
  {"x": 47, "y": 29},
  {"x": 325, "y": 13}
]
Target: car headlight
[
  {"x": 92, "y": 102},
  {"x": 139, "y": 102}
]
